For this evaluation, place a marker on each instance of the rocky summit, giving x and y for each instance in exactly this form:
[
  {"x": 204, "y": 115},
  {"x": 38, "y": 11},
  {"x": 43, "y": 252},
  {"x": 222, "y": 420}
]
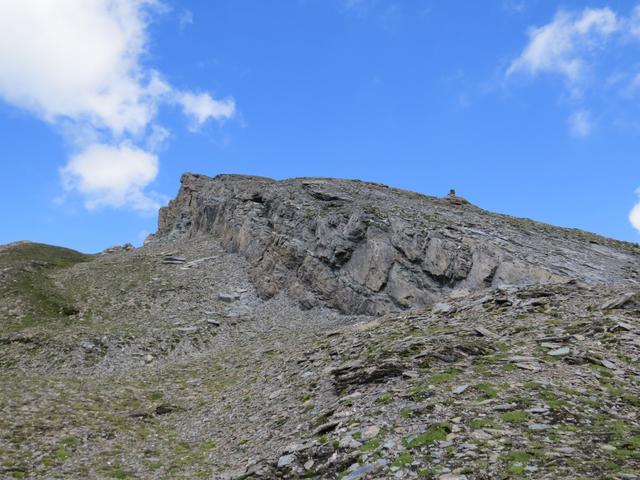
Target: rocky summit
[{"x": 323, "y": 328}]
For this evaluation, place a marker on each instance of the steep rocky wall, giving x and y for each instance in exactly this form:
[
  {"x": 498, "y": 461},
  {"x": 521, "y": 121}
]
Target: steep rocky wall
[{"x": 366, "y": 248}]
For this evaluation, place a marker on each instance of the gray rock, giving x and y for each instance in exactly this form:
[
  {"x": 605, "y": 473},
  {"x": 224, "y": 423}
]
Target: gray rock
[
  {"x": 485, "y": 332},
  {"x": 228, "y": 297},
  {"x": 560, "y": 352},
  {"x": 370, "y": 432},
  {"x": 459, "y": 389},
  {"x": 366, "y": 248},
  {"x": 326, "y": 427},
  {"x": 366, "y": 469},
  {"x": 190, "y": 329},
  {"x": 538, "y": 426},
  {"x": 286, "y": 460}
]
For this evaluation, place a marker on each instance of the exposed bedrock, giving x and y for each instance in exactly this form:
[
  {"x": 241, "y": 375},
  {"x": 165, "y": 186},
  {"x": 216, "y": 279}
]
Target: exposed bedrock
[{"x": 367, "y": 248}]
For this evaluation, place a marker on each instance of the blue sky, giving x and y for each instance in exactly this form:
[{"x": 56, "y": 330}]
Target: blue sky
[{"x": 525, "y": 107}]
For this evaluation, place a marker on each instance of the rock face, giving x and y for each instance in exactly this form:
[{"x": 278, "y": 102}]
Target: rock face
[{"x": 367, "y": 248}]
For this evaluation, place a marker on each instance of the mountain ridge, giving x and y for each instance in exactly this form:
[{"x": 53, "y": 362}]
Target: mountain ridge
[
  {"x": 328, "y": 329},
  {"x": 380, "y": 248}
]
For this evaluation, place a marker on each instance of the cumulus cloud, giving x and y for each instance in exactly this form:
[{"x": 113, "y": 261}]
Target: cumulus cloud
[
  {"x": 560, "y": 46},
  {"x": 113, "y": 176},
  {"x": 81, "y": 67},
  {"x": 580, "y": 124},
  {"x": 79, "y": 61},
  {"x": 201, "y": 107},
  {"x": 582, "y": 47}
]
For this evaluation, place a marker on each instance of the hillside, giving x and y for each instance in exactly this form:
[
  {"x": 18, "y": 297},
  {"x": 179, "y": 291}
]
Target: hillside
[{"x": 322, "y": 328}]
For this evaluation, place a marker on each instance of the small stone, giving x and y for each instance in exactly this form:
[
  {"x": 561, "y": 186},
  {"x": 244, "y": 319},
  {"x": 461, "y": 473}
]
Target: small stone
[
  {"x": 627, "y": 476},
  {"x": 566, "y": 450},
  {"x": 370, "y": 432},
  {"x": 624, "y": 326},
  {"x": 293, "y": 448},
  {"x": 308, "y": 464},
  {"x": 389, "y": 445},
  {"x": 286, "y": 460},
  {"x": 534, "y": 367},
  {"x": 607, "y": 447},
  {"x": 356, "y": 471},
  {"x": 485, "y": 332},
  {"x": 350, "y": 443},
  {"x": 443, "y": 308},
  {"x": 187, "y": 329},
  {"x": 275, "y": 394},
  {"x": 560, "y": 352},
  {"x": 608, "y": 364},
  {"x": 538, "y": 426},
  {"x": 173, "y": 260},
  {"x": 228, "y": 297},
  {"x": 148, "y": 358},
  {"x": 459, "y": 389},
  {"x": 538, "y": 410},
  {"x": 481, "y": 435},
  {"x": 326, "y": 427}
]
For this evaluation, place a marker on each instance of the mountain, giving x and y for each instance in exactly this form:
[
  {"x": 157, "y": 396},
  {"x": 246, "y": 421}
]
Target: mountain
[{"x": 322, "y": 328}]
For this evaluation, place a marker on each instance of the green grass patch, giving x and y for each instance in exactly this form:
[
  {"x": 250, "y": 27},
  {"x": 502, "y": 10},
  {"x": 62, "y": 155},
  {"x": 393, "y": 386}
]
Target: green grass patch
[
  {"x": 443, "y": 377},
  {"x": 515, "y": 416},
  {"x": 386, "y": 397},
  {"x": 478, "y": 423},
  {"x": 62, "y": 454},
  {"x": 371, "y": 445},
  {"x": 487, "y": 389},
  {"x": 402, "y": 460},
  {"x": 436, "y": 432}
]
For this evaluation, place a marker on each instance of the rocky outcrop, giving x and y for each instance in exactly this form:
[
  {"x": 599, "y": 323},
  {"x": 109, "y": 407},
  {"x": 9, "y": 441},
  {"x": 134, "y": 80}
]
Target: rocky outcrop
[{"x": 367, "y": 248}]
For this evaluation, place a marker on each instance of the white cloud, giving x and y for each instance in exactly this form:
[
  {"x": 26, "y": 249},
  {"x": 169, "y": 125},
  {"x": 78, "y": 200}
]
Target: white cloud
[
  {"x": 583, "y": 48},
  {"x": 634, "y": 214},
  {"x": 81, "y": 66},
  {"x": 157, "y": 138},
  {"x": 113, "y": 176},
  {"x": 580, "y": 124},
  {"x": 77, "y": 60},
  {"x": 561, "y": 45},
  {"x": 201, "y": 107}
]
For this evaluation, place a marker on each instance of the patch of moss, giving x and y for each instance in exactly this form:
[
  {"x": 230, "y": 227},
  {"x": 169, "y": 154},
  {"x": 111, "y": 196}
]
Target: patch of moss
[
  {"x": 62, "y": 454},
  {"x": 386, "y": 397},
  {"x": 436, "y": 432},
  {"x": 488, "y": 390},
  {"x": 477, "y": 423},
  {"x": 371, "y": 445},
  {"x": 515, "y": 416},
  {"x": 402, "y": 460},
  {"x": 443, "y": 377}
]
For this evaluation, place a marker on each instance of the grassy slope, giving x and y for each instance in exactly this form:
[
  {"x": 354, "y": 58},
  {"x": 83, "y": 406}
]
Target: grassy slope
[{"x": 30, "y": 296}]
